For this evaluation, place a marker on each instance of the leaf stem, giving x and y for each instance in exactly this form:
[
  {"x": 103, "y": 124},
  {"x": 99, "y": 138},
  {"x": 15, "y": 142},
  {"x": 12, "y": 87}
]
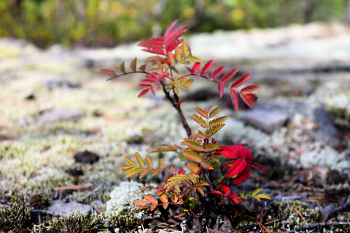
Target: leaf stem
[{"x": 178, "y": 109}]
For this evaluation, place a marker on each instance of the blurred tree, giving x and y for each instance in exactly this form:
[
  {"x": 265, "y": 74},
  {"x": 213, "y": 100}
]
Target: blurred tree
[{"x": 308, "y": 10}]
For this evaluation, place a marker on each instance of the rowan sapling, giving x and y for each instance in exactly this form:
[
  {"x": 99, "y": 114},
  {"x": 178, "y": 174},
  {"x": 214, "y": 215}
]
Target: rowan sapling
[{"x": 204, "y": 155}]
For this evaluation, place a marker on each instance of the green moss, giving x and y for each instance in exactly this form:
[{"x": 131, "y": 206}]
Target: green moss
[{"x": 16, "y": 216}]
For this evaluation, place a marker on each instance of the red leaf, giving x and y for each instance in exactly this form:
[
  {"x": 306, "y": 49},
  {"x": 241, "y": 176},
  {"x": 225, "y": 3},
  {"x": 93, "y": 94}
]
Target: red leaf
[
  {"x": 144, "y": 85},
  {"x": 207, "y": 67},
  {"x": 154, "y": 50},
  {"x": 227, "y": 152},
  {"x": 237, "y": 167},
  {"x": 217, "y": 192},
  {"x": 252, "y": 97},
  {"x": 152, "y": 90},
  {"x": 234, "y": 99},
  {"x": 105, "y": 71},
  {"x": 147, "y": 81},
  {"x": 144, "y": 92},
  {"x": 229, "y": 75},
  {"x": 243, "y": 176},
  {"x": 241, "y": 80},
  {"x": 182, "y": 172},
  {"x": 249, "y": 88},
  {"x": 225, "y": 189},
  {"x": 151, "y": 77},
  {"x": 258, "y": 165},
  {"x": 217, "y": 72},
  {"x": 247, "y": 100},
  {"x": 196, "y": 67},
  {"x": 243, "y": 152},
  {"x": 173, "y": 45},
  {"x": 171, "y": 27},
  {"x": 234, "y": 197},
  {"x": 221, "y": 88},
  {"x": 189, "y": 69},
  {"x": 153, "y": 43},
  {"x": 174, "y": 35}
]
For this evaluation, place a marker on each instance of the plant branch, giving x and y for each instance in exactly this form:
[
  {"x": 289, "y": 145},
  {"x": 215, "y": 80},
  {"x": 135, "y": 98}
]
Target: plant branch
[
  {"x": 132, "y": 72},
  {"x": 178, "y": 109}
]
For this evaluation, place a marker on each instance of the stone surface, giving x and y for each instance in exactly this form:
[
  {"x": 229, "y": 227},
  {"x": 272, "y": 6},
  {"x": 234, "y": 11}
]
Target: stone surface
[
  {"x": 325, "y": 131},
  {"x": 58, "y": 115},
  {"x": 66, "y": 208},
  {"x": 266, "y": 121}
]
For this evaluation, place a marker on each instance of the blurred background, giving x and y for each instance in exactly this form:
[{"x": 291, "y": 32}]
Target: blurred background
[{"x": 106, "y": 23}]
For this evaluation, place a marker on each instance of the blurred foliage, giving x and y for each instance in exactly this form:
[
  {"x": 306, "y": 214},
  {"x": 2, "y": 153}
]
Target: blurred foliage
[{"x": 110, "y": 22}]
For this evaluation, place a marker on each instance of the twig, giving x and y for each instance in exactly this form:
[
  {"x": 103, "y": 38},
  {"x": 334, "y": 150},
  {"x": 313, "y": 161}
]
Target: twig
[
  {"x": 316, "y": 225},
  {"x": 300, "y": 215},
  {"x": 93, "y": 191},
  {"x": 329, "y": 210}
]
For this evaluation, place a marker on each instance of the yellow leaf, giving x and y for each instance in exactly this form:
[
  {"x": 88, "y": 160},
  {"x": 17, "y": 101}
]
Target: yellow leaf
[
  {"x": 171, "y": 58},
  {"x": 214, "y": 112},
  {"x": 162, "y": 197},
  {"x": 139, "y": 159},
  {"x": 193, "y": 156},
  {"x": 202, "y": 112},
  {"x": 149, "y": 161},
  {"x": 177, "y": 53},
  {"x": 134, "y": 172},
  {"x": 130, "y": 162},
  {"x": 193, "y": 167},
  {"x": 193, "y": 145},
  {"x": 188, "y": 82},
  {"x": 145, "y": 172},
  {"x": 156, "y": 171},
  {"x": 160, "y": 164},
  {"x": 217, "y": 121},
  {"x": 176, "y": 81},
  {"x": 122, "y": 67},
  {"x": 185, "y": 49}
]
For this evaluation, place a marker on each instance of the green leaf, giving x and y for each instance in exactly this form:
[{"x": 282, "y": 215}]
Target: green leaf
[
  {"x": 133, "y": 64},
  {"x": 217, "y": 121},
  {"x": 188, "y": 82},
  {"x": 145, "y": 172},
  {"x": 202, "y": 112},
  {"x": 257, "y": 191},
  {"x": 182, "y": 81},
  {"x": 134, "y": 172},
  {"x": 182, "y": 157},
  {"x": 219, "y": 180},
  {"x": 194, "y": 59},
  {"x": 139, "y": 159},
  {"x": 201, "y": 135},
  {"x": 193, "y": 167},
  {"x": 214, "y": 130},
  {"x": 185, "y": 50},
  {"x": 122, "y": 67},
  {"x": 161, "y": 149},
  {"x": 149, "y": 161},
  {"x": 198, "y": 119},
  {"x": 130, "y": 162},
  {"x": 193, "y": 145},
  {"x": 193, "y": 156},
  {"x": 264, "y": 196},
  {"x": 214, "y": 112},
  {"x": 211, "y": 147}
]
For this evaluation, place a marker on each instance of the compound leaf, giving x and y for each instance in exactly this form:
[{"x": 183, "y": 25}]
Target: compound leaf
[
  {"x": 193, "y": 145},
  {"x": 130, "y": 162}
]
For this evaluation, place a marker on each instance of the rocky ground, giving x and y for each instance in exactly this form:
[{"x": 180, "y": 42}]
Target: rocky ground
[{"x": 64, "y": 130}]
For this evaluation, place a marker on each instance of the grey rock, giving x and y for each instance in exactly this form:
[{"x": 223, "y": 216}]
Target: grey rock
[
  {"x": 66, "y": 208},
  {"x": 326, "y": 131},
  {"x": 58, "y": 115},
  {"x": 289, "y": 107},
  {"x": 56, "y": 83},
  {"x": 266, "y": 121}
]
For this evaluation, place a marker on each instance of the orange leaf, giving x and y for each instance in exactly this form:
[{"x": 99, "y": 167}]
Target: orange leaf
[
  {"x": 153, "y": 206},
  {"x": 151, "y": 199},
  {"x": 140, "y": 202}
]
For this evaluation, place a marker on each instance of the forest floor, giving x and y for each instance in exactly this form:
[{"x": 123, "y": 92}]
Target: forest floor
[{"x": 64, "y": 130}]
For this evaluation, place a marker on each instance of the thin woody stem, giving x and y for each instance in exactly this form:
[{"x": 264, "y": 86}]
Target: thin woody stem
[{"x": 178, "y": 109}]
